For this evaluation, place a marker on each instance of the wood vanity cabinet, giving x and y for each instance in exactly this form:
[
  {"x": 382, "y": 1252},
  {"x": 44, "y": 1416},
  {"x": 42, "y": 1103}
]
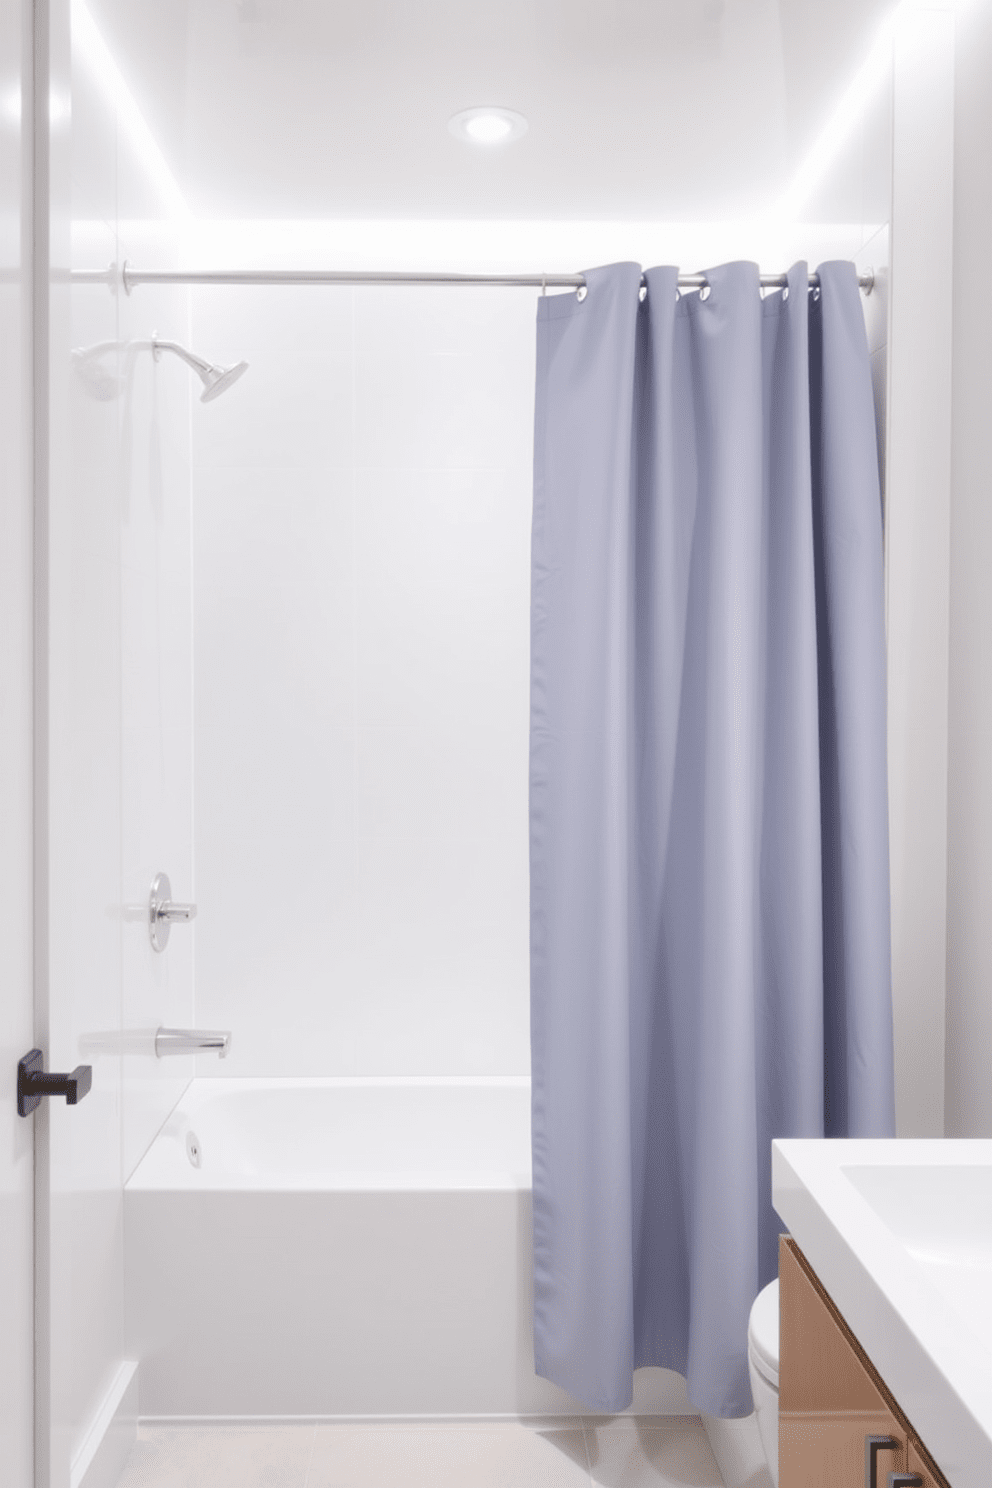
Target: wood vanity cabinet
[{"x": 831, "y": 1398}]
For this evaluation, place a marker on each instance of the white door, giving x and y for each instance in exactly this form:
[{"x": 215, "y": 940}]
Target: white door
[
  {"x": 16, "y": 1025},
  {"x": 81, "y": 1371}
]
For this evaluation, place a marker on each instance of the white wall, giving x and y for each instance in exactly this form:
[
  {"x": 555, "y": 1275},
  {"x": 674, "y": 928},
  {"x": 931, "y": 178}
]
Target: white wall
[
  {"x": 903, "y": 150},
  {"x": 917, "y": 567},
  {"x": 969, "y": 797},
  {"x": 156, "y": 620},
  {"x": 362, "y": 504},
  {"x": 362, "y": 528}
]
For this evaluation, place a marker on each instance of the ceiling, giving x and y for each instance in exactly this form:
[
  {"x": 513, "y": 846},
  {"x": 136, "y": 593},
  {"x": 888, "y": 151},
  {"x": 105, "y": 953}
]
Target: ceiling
[{"x": 672, "y": 110}]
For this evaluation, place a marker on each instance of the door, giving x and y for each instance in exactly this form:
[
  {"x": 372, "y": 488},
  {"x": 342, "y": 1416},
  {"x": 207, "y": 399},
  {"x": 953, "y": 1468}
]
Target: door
[
  {"x": 79, "y": 1282},
  {"x": 16, "y": 1136}
]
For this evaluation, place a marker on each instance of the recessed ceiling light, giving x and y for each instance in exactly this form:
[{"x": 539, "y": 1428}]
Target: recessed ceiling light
[{"x": 487, "y": 126}]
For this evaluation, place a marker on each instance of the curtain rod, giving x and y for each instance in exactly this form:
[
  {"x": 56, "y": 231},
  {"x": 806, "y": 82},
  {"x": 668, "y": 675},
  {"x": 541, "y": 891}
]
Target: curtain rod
[{"x": 131, "y": 277}]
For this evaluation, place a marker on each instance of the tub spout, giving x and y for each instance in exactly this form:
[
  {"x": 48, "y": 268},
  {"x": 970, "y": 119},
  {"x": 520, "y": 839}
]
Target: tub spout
[{"x": 190, "y": 1041}]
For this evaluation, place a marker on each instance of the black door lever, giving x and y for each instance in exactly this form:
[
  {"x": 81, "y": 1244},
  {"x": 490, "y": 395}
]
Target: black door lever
[{"x": 33, "y": 1083}]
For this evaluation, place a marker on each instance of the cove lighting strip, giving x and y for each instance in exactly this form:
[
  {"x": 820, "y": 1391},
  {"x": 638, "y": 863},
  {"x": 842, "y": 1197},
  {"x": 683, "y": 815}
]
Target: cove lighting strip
[
  {"x": 854, "y": 104},
  {"x": 93, "y": 50},
  {"x": 835, "y": 134}
]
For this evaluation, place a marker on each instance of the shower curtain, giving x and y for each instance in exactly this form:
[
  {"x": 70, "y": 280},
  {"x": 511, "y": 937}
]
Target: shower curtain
[{"x": 709, "y": 839}]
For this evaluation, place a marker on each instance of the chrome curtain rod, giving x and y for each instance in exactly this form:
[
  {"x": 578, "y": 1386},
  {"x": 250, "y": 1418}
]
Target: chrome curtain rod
[{"x": 130, "y": 278}]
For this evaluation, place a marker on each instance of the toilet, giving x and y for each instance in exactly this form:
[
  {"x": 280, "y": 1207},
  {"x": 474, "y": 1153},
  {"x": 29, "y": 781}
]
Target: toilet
[{"x": 762, "y": 1363}]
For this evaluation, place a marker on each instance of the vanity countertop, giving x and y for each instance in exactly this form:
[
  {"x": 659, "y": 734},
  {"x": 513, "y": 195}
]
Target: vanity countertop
[{"x": 900, "y": 1234}]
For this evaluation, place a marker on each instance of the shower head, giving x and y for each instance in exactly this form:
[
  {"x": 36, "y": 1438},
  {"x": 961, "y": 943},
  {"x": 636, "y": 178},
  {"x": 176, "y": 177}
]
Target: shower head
[
  {"x": 99, "y": 381},
  {"x": 219, "y": 379},
  {"x": 215, "y": 379}
]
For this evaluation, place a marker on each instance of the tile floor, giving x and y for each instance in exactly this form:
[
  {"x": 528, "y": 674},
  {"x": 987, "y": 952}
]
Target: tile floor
[{"x": 559, "y": 1452}]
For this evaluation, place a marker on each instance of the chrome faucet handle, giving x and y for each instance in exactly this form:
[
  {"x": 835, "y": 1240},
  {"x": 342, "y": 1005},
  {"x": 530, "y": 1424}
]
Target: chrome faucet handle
[{"x": 162, "y": 912}]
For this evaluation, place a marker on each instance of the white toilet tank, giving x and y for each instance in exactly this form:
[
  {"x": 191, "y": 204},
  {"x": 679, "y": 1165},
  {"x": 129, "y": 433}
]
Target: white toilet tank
[{"x": 762, "y": 1359}]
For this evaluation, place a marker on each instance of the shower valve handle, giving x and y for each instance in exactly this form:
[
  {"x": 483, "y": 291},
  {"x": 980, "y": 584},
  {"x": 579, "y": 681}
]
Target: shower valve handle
[
  {"x": 163, "y": 912},
  {"x": 173, "y": 912}
]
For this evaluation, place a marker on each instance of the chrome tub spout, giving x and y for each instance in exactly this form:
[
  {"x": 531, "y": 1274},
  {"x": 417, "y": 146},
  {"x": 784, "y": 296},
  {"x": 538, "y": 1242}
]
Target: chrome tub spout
[{"x": 191, "y": 1041}]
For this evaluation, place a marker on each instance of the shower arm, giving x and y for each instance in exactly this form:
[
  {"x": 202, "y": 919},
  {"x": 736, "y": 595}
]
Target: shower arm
[
  {"x": 189, "y": 357},
  {"x": 83, "y": 354}
]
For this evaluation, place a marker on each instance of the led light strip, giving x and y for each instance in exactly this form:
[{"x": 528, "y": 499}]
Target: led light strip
[
  {"x": 93, "y": 50},
  {"x": 853, "y": 105}
]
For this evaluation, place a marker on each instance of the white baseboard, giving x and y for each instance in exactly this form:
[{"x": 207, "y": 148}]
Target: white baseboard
[
  {"x": 111, "y": 1435},
  {"x": 736, "y": 1445}
]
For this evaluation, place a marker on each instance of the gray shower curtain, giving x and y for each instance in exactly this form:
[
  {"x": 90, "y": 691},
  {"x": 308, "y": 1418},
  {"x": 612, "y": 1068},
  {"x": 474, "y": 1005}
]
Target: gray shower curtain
[{"x": 709, "y": 839}]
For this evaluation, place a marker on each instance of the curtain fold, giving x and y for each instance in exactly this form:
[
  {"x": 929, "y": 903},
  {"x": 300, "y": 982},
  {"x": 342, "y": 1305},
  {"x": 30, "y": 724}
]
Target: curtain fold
[{"x": 709, "y": 839}]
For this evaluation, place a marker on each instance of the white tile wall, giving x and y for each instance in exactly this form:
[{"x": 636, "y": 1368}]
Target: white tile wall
[
  {"x": 153, "y": 493},
  {"x": 361, "y": 538}
]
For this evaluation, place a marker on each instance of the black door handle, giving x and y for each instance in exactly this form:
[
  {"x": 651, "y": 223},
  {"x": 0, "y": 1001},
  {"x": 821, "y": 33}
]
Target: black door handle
[{"x": 33, "y": 1083}]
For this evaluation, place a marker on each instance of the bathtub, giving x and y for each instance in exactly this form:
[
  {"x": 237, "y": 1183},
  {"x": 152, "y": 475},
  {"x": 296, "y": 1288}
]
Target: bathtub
[{"x": 336, "y": 1247}]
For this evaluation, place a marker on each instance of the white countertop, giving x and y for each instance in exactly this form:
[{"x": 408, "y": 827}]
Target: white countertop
[{"x": 900, "y": 1235}]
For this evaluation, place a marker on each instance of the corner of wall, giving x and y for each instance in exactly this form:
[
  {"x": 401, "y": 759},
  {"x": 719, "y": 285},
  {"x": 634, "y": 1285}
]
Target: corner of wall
[
  {"x": 917, "y": 555},
  {"x": 968, "y": 1054},
  {"x": 111, "y": 1435}
]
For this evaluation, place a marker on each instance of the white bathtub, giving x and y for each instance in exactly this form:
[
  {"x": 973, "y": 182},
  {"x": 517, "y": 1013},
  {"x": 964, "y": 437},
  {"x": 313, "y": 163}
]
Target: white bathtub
[
  {"x": 344, "y": 1134},
  {"x": 345, "y": 1248}
]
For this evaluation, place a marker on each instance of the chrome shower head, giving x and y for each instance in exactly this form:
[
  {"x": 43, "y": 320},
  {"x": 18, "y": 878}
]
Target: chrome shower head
[{"x": 215, "y": 379}]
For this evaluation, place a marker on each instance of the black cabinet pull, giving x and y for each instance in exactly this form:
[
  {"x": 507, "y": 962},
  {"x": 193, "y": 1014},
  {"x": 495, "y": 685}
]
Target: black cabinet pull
[
  {"x": 33, "y": 1083},
  {"x": 874, "y": 1445}
]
